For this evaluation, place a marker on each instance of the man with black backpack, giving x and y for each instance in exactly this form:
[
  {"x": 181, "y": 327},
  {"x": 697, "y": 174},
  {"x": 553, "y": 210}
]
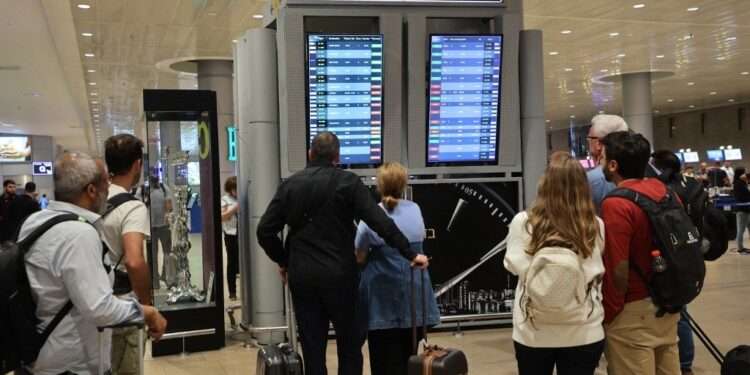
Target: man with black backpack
[
  {"x": 645, "y": 283},
  {"x": 124, "y": 227},
  {"x": 56, "y": 302}
]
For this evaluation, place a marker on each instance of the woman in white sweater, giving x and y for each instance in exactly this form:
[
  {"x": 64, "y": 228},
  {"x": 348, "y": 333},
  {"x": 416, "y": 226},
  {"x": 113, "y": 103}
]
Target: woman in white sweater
[{"x": 555, "y": 248}]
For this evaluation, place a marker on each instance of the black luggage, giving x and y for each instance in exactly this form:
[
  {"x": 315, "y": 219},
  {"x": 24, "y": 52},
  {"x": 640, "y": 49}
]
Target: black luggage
[
  {"x": 737, "y": 360},
  {"x": 282, "y": 359},
  {"x": 434, "y": 360}
]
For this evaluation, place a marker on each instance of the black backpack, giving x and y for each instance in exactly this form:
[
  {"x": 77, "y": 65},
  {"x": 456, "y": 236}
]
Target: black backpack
[
  {"x": 20, "y": 342},
  {"x": 710, "y": 221},
  {"x": 679, "y": 242},
  {"x": 737, "y": 361}
]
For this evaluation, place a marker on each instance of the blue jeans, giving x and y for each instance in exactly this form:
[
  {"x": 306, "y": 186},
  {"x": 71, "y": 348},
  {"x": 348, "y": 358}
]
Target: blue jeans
[
  {"x": 686, "y": 345},
  {"x": 743, "y": 223}
]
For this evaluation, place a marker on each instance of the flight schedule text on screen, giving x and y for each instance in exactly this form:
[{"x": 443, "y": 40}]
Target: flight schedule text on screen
[
  {"x": 464, "y": 97},
  {"x": 345, "y": 94}
]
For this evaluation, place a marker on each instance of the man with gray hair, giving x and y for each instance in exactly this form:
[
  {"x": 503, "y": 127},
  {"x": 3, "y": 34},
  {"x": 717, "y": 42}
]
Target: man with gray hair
[
  {"x": 601, "y": 126},
  {"x": 67, "y": 275}
]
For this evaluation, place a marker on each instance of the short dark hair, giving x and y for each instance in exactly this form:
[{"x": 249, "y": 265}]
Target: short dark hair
[
  {"x": 8, "y": 182},
  {"x": 120, "y": 152},
  {"x": 738, "y": 172},
  {"x": 667, "y": 163},
  {"x": 325, "y": 147},
  {"x": 631, "y": 151},
  {"x": 230, "y": 184},
  {"x": 30, "y": 187}
]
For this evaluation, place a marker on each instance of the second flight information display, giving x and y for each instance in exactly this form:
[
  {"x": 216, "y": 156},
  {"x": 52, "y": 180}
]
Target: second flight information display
[
  {"x": 345, "y": 94},
  {"x": 464, "y": 98}
]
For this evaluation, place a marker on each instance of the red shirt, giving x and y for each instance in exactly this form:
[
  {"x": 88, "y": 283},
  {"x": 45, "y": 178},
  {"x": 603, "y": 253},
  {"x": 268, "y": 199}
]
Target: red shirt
[{"x": 627, "y": 237}]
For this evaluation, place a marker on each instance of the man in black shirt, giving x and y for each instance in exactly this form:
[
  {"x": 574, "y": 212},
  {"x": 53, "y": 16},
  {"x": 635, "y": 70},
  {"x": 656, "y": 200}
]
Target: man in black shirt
[
  {"x": 20, "y": 208},
  {"x": 320, "y": 204},
  {"x": 717, "y": 177},
  {"x": 9, "y": 195}
]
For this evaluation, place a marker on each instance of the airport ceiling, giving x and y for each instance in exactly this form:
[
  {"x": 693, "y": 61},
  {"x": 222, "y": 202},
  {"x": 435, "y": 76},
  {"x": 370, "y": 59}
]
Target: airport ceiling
[{"x": 71, "y": 67}]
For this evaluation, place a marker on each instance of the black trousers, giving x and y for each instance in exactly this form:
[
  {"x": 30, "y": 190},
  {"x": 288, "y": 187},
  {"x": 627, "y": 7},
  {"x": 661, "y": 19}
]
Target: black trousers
[
  {"x": 233, "y": 262},
  {"x": 314, "y": 309},
  {"x": 576, "y": 360},
  {"x": 390, "y": 350}
]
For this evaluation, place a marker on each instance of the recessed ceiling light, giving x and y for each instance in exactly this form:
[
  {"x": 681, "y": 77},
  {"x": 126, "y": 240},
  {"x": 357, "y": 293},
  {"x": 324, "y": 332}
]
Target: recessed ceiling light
[
  {"x": 91, "y": 71},
  {"x": 572, "y": 116},
  {"x": 731, "y": 38},
  {"x": 639, "y": 6},
  {"x": 691, "y": 106},
  {"x": 670, "y": 100},
  {"x": 721, "y": 58},
  {"x": 621, "y": 55},
  {"x": 84, "y": 6},
  {"x": 87, "y": 34},
  {"x": 94, "y": 94},
  {"x": 691, "y": 83},
  {"x": 604, "y": 70},
  {"x": 745, "y": 73},
  {"x": 731, "y": 100},
  {"x": 659, "y": 56},
  {"x": 656, "y": 111},
  {"x": 196, "y": 85},
  {"x": 568, "y": 69},
  {"x": 566, "y": 32},
  {"x": 712, "y": 93},
  {"x": 92, "y": 83},
  {"x": 614, "y": 34},
  {"x": 212, "y": 14},
  {"x": 571, "y": 92},
  {"x": 692, "y": 9},
  {"x": 687, "y": 37},
  {"x": 606, "y": 100},
  {"x": 234, "y": 40},
  {"x": 96, "y": 115},
  {"x": 89, "y": 54},
  {"x": 94, "y": 102},
  {"x": 554, "y": 53},
  {"x": 572, "y": 106},
  {"x": 258, "y": 16},
  {"x": 547, "y": 121},
  {"x": 95, "y": 109},
  {"x": 601, "y": 112}
]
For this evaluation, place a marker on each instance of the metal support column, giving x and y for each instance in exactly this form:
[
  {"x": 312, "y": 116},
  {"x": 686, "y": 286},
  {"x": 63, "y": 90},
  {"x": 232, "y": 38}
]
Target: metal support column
[
  {"x": 636, "y": 103},
  {"x": 534, "y": 134}
]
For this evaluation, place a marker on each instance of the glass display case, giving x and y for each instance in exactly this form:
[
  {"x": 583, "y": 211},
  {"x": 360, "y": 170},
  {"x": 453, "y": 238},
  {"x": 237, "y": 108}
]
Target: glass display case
[{"x": 182, "y": 190}]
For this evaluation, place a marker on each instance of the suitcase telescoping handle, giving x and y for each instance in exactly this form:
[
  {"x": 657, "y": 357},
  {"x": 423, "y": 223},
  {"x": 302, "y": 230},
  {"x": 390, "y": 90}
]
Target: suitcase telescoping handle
[
  {"x": 139, "y": 324},
  {"x": 415, "y": 344},
  {"x": 291, "y": 322}
]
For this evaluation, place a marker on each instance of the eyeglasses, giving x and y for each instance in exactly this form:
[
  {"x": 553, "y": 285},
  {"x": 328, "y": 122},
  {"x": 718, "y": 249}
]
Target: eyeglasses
[{"x": 590, "y": 138}]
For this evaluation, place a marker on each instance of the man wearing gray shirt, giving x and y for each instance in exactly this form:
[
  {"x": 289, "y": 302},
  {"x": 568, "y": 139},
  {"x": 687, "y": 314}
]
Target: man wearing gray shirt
[{"x": 65, "y": 264}]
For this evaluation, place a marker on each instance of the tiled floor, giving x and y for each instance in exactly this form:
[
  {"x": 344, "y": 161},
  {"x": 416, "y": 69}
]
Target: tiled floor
[{"x": 722, "y": 309}]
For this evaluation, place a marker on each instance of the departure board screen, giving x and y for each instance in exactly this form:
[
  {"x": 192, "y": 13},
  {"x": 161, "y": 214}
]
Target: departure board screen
[
  {"x": 345, "y": 94},
  {"x": 464, "y": 99}
]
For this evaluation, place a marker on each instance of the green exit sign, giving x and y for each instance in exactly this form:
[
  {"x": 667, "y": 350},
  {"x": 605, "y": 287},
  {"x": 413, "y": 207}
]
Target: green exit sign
[{"x": 231, "y": 143}]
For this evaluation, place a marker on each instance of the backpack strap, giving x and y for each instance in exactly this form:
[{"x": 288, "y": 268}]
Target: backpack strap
[
  {"x": 25, "y": 245},
  {"x": 112, "y": 204}
]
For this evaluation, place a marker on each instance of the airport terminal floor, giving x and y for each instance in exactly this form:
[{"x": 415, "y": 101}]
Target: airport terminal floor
[{"x": 721, "y": 310}]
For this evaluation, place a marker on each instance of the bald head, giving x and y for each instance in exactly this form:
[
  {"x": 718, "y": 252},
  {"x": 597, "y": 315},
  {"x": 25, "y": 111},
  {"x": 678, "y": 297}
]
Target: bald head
[
  {"x": 80, "y": 180},
  {"x": 325, "y": 147}
]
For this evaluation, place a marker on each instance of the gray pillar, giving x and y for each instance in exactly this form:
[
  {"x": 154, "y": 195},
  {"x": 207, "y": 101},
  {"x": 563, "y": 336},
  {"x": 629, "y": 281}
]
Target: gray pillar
[
  {"x": 258, "y": 157},
  {"x": 636, "y": 103},
  {"x": 216, "y": 75},
  {"x": 534, "y": 136}
]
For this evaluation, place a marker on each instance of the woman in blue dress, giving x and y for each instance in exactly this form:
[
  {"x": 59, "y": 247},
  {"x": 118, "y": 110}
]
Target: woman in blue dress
[{"x": 386, "y": 279}]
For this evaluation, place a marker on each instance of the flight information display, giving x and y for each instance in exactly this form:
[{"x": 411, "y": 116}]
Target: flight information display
[
  {"x": 464, "y": 99},
  {"x": 345, "y": 94}
]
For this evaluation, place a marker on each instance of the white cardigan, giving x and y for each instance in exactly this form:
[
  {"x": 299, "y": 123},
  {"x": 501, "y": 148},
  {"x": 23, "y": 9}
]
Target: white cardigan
[{"x": 562, "y": 335}]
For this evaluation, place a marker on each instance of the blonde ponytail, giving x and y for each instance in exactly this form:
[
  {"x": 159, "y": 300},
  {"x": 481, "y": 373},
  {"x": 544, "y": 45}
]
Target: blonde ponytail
[{"x": 390, "y": 203}]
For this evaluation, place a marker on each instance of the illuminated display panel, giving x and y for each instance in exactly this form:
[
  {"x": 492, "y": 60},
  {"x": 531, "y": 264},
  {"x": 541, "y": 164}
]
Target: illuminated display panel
[
  {"x": 464, "y": 99},
  {"x": 345, "y": 94},
  {"x": 733, "y": 154}
]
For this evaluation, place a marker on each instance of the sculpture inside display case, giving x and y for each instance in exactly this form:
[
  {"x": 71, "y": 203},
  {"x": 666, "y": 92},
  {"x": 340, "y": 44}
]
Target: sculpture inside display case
[{"x": 182, "y": 290}]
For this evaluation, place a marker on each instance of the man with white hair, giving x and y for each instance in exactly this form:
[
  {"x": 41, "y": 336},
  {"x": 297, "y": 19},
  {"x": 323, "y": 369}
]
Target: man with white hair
[
  {"x": 601, "y": 126},
  {"x": 67, "y": 275}
]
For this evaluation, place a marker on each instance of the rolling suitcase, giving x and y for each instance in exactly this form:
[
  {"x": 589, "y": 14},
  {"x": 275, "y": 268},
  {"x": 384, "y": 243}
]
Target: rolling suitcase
[
  {"x": 434, "y": 359},
  {"x": 737, "y": 360},
  {"x": 282, "y": 359},
  {"x": 102, "y": 351}
]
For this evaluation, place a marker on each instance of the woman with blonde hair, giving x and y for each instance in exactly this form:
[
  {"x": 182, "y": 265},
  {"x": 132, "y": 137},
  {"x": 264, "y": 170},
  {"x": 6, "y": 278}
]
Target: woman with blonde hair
[
  {"x": 555, "y": 248},
  {"x": 385, "y": 287}
]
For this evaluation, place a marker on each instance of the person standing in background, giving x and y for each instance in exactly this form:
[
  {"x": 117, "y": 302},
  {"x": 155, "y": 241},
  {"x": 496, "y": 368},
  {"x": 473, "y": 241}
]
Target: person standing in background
[
  {"x": 601, "y": 125},
  {"x": 9, "y": 194},
  {"x": 742, "y": 195},
  {"x": 729, "y": 170},
  {"x": 160, "y": 203},
  {"x": 20, "y": 208},
  {"x": 229, "y": 208},
  {"x": 43, "y": 201}
]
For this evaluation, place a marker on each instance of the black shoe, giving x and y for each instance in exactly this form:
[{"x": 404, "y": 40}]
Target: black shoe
[
  {"x": 232, "y": 297},
  {"x": 744, "y": 251}
]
